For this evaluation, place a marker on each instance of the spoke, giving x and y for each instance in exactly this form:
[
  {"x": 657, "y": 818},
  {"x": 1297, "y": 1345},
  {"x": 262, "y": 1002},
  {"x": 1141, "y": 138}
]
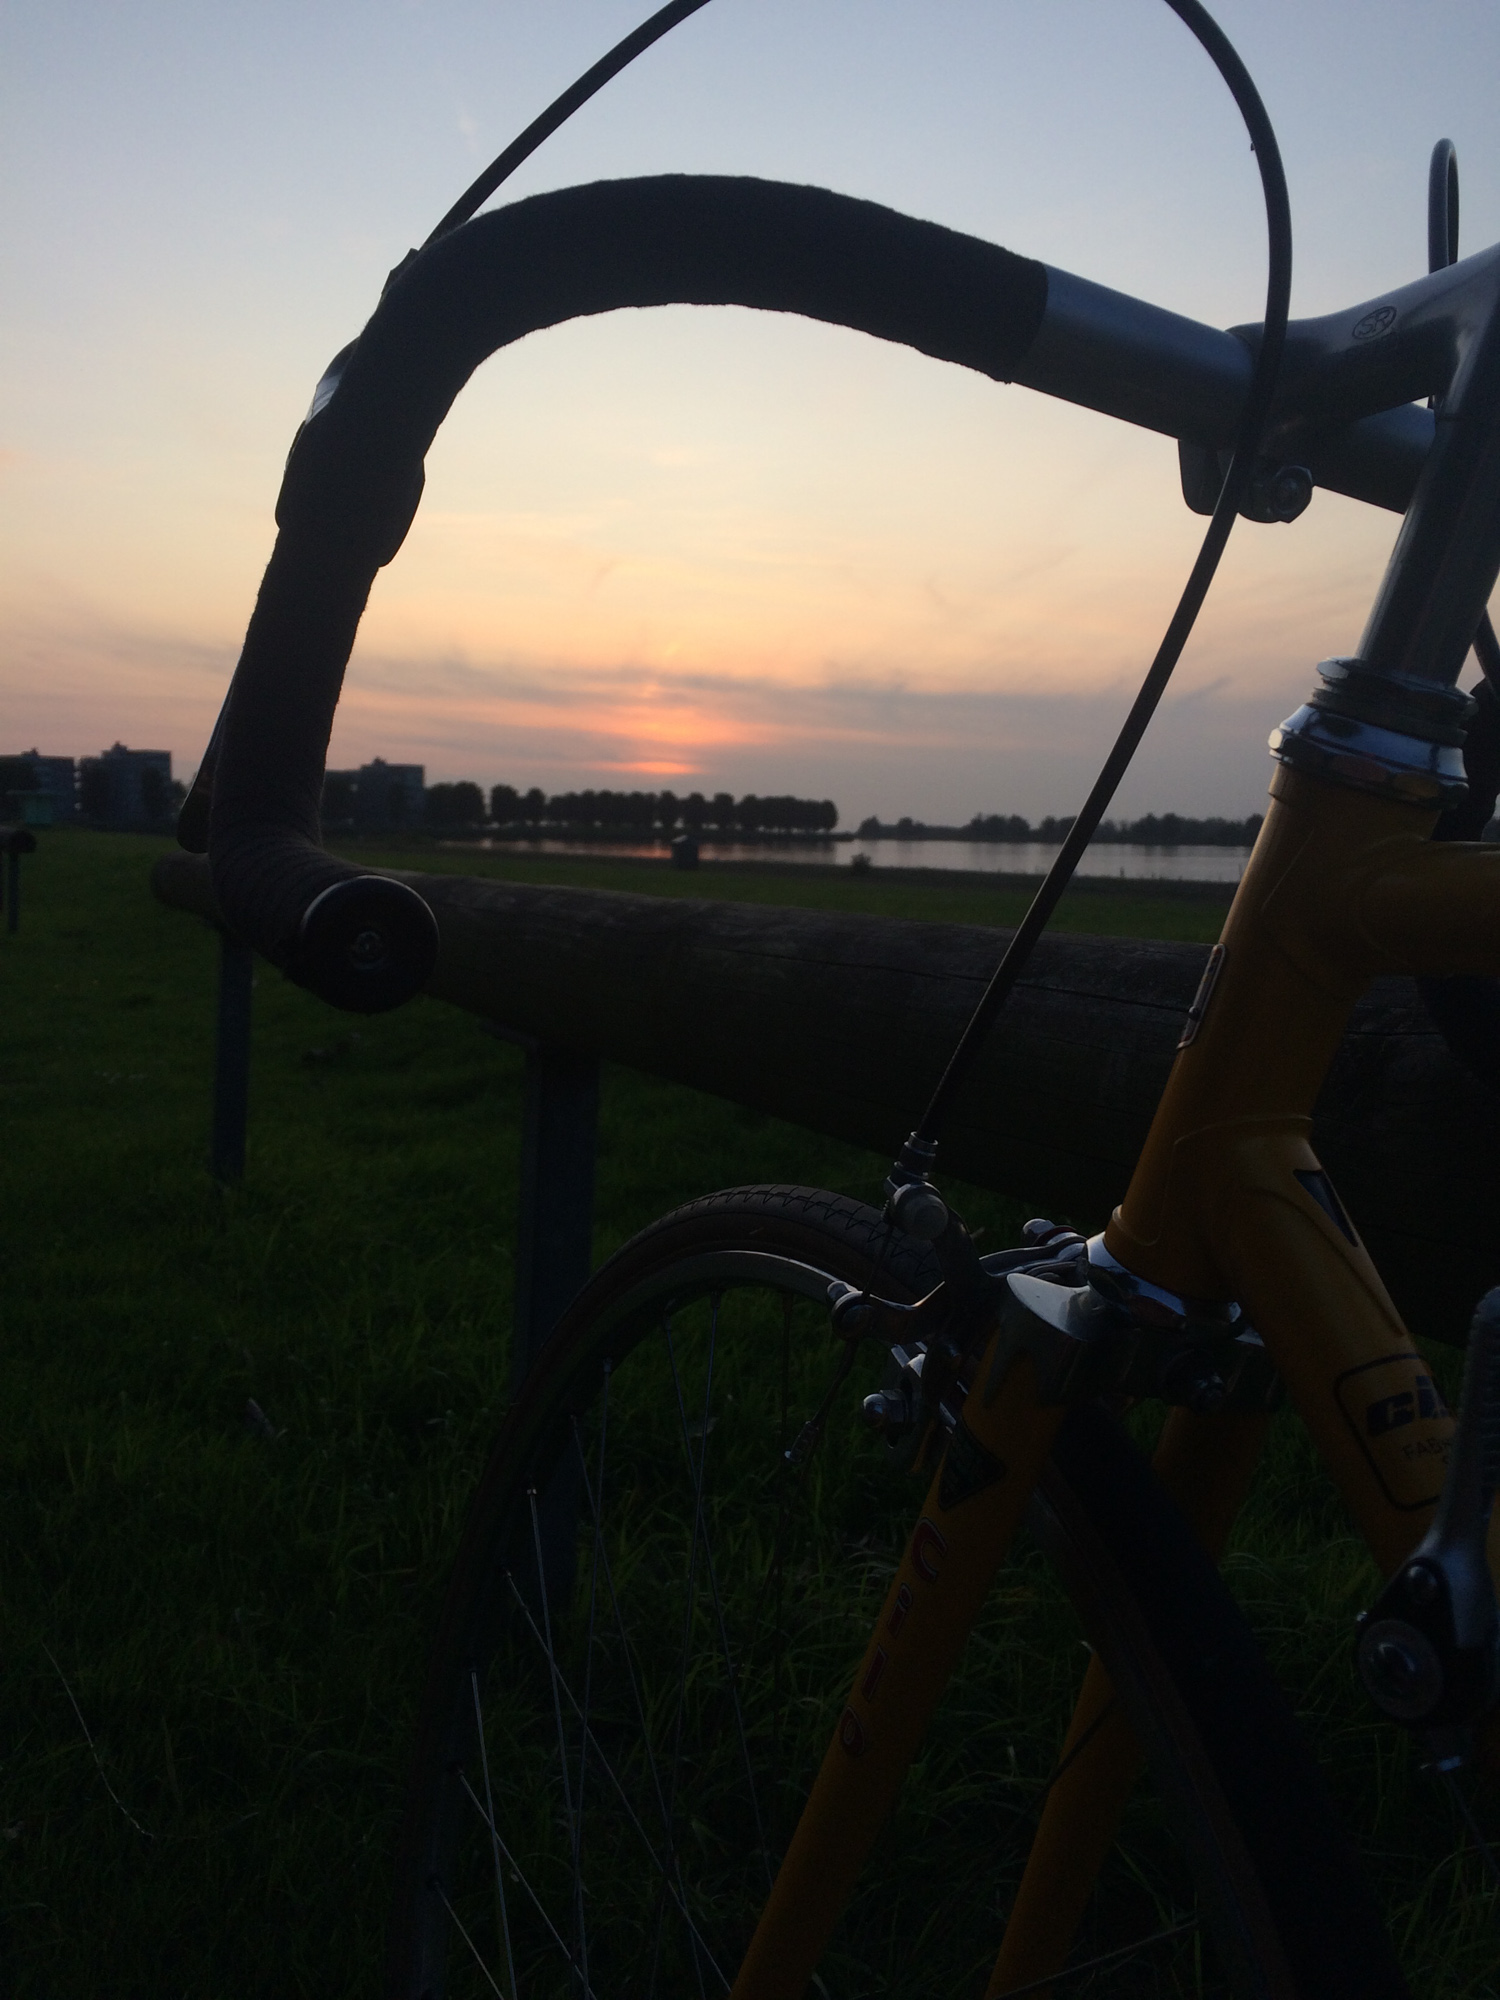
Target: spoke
[
  {"x": 1487, "y": 1853},
  {"x": 588, "y": 1649},
  {"x": 458, "y": 1923},
  {"x": 796, "y": 1461},
  {"x": 690, "y": 1588},
  {"x": 796, "y": 1466},
  {"x": 684, "y": 1756},
  {"x": 773, "y": 1586},
  {"x": 696, "y": 1473},
  {"x": 807, "y": 1440},
  {"x": 669, "y": 1774},
  {"x": 484, "y": 1765},
  {"x": 629, "y": 1656},
  {"x": 631, "y": 1814},
  {"x": 788, "y": 1305},
  {"x": 1124, "y": 1951},
  {"x": 515, "y": 1868},
  {"x": 1078, "y": 1749},
  {"x": 732, "y": 1679},
  {"x": 673, "y": 1870},
  {"x": 700, "y": 1531},
  {"x": 1031, "y": 1815},
  {"x": 562, "y": 1741},
  {"x": 795, "y": 1471}
]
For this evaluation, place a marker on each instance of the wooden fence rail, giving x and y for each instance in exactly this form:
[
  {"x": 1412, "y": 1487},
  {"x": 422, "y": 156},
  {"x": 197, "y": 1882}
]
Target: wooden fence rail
[{"x": 842, "y": 1023}]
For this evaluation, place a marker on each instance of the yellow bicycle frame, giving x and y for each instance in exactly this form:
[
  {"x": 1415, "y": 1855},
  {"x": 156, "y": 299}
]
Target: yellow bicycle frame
[{"x": 1227, "y": 1201}]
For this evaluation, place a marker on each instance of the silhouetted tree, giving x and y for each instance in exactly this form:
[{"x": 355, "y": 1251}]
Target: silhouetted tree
[{"x": 453, "y": 805}]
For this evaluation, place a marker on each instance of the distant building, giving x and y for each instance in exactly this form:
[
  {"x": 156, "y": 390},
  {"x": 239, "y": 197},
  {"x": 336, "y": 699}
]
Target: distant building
[
  {"x": 128, "y": 788},
  {"x": 388, "y": 797},
  {"x": 37, "y": 790}
]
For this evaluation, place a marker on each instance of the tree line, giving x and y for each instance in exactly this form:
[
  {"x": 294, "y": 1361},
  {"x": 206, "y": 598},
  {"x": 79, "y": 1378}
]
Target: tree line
[
  {"x": 463, "y": 805},
  {"x": 1153, "y": 830}
]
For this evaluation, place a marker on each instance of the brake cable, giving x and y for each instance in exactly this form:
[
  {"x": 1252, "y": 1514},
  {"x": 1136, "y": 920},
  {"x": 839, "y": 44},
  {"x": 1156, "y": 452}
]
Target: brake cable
[
  {"x": 561, "y": 109},
  {"x": 920, "y": 1151}
]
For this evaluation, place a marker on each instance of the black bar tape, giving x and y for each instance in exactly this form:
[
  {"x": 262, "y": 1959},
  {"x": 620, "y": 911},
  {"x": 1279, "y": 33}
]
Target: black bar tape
[
  {"x": 354, "y": 476},
  {"x": 672, "y": 240}
]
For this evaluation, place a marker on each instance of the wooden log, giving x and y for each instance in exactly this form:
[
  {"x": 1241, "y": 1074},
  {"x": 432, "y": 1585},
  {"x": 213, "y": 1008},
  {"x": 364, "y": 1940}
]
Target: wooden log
[{"x": 842, "y": 1023}]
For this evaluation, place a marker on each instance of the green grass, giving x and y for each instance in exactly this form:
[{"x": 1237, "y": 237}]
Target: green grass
[{"x": 238, "y": 1620}]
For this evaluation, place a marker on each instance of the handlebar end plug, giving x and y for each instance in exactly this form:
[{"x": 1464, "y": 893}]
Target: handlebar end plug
[{"x": 366, "y": 944}]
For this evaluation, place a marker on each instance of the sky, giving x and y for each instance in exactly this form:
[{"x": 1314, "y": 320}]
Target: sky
[{"x": 691, "y": 548}]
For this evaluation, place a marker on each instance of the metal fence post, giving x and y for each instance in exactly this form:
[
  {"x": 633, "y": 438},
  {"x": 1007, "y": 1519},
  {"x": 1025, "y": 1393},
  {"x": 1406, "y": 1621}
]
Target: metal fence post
[
  {"x": 232, "y": 1060},
  {"x": 554, "y": 1252},
  {"x": 555, "y": 1226},
  {"x": 14, "y": 842}
]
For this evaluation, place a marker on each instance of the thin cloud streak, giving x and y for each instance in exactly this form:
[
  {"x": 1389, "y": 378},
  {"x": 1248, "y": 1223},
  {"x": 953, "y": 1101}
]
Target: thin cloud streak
[
  {"x": 875, "y": 746},
  {"x": 1002, "y": 735},
  {"x": 698, "y": 541}
]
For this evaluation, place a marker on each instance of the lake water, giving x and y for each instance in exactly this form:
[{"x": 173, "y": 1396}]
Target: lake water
[{"x": 1031, "y": 857}]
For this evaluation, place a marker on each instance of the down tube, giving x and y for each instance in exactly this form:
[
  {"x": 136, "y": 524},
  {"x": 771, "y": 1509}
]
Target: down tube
[
  {"x": 971, "y": 1512},
  {"x": 1350, "y": 1367}
]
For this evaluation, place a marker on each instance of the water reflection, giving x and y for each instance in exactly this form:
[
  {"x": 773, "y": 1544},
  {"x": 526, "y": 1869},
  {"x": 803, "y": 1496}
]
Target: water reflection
[{"x": 1121, "y": 859}]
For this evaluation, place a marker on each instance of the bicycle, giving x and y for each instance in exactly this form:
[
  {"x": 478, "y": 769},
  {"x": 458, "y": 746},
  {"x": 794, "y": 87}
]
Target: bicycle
[{"x": 624, "y": 1628}]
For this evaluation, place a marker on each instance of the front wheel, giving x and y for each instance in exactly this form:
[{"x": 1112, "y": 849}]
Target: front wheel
[{"x": 669, "y": 1572}]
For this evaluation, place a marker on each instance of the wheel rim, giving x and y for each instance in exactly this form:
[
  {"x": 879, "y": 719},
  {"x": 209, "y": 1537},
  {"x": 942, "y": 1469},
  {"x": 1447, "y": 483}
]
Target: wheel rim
[
  {"x": 639, "y": 1809},
  {"x": 708, "y": 1632}
]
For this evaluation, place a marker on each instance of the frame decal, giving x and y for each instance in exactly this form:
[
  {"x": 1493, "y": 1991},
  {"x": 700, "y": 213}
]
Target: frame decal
[{"x": 1401, "y": 1425}]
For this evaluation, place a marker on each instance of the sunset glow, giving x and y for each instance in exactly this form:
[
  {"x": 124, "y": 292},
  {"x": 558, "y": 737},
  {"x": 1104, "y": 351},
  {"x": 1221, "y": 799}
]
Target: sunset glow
[{"x": 710, "y": 548}]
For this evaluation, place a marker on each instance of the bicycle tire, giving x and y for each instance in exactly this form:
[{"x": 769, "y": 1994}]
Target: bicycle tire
[{"x": 491, "y": 1827}]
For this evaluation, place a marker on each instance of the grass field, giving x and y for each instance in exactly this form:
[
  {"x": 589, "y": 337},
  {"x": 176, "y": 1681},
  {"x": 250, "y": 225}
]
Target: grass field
[{"x": 215, "y": 1621}]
